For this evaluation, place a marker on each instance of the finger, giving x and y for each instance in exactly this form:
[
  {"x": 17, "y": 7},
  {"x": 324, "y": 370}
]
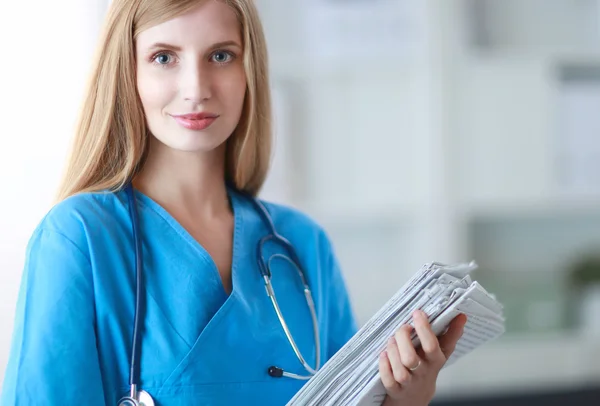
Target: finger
[
  {"x": 387, "y": 377},
  {"x": 450, "y": 338},
  {"x": 429, "y": 342},
  {"x": 408, "y": 353},
  {"x": 401, "y": 374}
]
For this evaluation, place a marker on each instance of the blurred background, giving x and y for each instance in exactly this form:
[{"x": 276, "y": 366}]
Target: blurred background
[{"x": 413, "y": 131}]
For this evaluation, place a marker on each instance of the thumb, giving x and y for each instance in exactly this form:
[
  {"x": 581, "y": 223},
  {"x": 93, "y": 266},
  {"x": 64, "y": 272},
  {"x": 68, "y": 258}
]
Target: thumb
[{"x": 449, "y": 339}]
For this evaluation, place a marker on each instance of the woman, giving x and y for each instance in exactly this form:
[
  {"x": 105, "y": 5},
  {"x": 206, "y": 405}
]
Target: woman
[{"x": 175, "y": 131}]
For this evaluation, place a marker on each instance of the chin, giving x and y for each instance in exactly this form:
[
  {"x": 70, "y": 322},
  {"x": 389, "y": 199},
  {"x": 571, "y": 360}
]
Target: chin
[
  {"x": 198, "y": 148},
  {"x": 196, "y": 142},
  {"x": 184, "y": 140}
]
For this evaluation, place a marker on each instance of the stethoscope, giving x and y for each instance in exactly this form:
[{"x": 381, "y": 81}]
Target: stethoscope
[{"x": 139, "y": 397}]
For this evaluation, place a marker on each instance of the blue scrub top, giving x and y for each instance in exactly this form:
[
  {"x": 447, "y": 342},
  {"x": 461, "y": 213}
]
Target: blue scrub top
[{"x": 72, "y": 334}]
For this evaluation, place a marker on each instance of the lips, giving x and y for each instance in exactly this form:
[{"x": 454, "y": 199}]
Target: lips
[{"x": 195, "y": 121}]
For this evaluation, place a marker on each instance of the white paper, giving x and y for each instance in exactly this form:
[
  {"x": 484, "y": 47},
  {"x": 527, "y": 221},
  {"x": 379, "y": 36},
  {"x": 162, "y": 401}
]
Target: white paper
[{"x": 351, "y": 376}]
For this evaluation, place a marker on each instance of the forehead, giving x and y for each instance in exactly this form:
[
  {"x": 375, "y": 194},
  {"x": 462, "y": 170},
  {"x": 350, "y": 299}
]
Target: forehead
[{"x": 210, "y": 22}]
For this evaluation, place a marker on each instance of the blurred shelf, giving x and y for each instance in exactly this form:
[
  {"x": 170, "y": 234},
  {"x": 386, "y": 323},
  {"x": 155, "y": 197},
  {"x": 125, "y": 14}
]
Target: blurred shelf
[
  {"x": 532, "y": 25},
  {"x": 358, "y": 214},
  {"x": 573, "y": 396},
  {"x": 401, "y": 213},
  {"x": 524, "y": 362},
  {"x": 549, "y": 60},
  {"x": 550, "y": 57},
  {"x": 303, "y": 67},
  {"x": 574, "y": 58},
  {"x": 534, "y": 210}
]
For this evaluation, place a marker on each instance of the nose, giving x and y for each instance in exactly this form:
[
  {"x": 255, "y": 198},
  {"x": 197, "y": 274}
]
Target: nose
[{"x": 197, "y": 84}]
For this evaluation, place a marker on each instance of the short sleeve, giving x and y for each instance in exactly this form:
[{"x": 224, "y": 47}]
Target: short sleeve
[
  {"x": 53, "y": 357},
  {"x": 342, "y": 323}
]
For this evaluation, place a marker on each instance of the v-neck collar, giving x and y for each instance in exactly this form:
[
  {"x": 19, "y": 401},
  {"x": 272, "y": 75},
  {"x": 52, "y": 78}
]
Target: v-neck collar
[{"x": 237, "y": 209}]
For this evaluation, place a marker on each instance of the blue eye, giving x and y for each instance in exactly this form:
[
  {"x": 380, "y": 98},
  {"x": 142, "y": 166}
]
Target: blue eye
[
  {"x": 222, "y": 57},
  {"x": 162, "y": 59}
]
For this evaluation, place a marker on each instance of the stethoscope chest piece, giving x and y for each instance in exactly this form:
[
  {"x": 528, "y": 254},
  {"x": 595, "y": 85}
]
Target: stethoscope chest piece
[{"x": 144, "y": 399}]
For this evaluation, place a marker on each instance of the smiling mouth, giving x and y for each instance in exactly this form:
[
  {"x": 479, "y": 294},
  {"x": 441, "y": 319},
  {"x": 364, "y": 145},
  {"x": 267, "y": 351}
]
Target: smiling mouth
[{"x": 196, "y": 121}]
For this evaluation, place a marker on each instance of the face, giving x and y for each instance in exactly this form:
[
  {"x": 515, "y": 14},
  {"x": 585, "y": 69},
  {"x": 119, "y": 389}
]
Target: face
[{"x": 191, "y": 79}]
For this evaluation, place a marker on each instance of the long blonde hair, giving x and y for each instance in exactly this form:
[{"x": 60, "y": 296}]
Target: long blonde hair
[{"x": 111, "y": 139}]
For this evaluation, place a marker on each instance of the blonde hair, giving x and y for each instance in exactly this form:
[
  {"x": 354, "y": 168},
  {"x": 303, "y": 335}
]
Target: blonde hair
[{"x": 111, "y": 137}]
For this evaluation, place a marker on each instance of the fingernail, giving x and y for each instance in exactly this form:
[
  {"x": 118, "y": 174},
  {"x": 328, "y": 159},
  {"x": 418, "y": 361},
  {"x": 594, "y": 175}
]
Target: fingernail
[{"x": 391, "y": 340}]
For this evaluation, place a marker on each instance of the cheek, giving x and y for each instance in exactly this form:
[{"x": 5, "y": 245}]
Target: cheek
[
  {"x": 153, "y": 92},
  {"x": 235, "y": 91}
]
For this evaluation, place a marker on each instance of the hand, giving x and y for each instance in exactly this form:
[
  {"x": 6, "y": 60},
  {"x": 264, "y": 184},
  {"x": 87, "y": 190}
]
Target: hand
[{"x": 409, "y": 375}]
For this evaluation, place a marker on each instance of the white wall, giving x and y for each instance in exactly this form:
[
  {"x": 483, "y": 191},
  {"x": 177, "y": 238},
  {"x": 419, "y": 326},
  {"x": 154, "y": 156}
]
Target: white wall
[{"x": 47, "y": 47}]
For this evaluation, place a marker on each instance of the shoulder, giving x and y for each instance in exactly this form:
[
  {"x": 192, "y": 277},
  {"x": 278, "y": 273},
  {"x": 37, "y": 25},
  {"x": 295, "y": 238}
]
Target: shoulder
[
  {"x": 78, "y": 217},
  {"x": 84, "y": 209},
  {"x": 289, "y": 220},
  {"x": 309, "y": 239}
]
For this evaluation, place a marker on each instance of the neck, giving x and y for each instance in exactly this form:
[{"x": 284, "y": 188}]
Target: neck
[{"x": 188, "y": 182}]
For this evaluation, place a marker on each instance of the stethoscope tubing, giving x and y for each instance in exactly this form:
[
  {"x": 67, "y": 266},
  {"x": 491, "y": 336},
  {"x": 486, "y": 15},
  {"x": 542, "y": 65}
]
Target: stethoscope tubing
[{"x": 265, "y": 270}]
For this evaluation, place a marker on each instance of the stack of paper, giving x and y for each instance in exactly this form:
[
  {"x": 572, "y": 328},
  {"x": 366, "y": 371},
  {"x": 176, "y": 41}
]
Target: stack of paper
[{"x": 351, "y": 376}]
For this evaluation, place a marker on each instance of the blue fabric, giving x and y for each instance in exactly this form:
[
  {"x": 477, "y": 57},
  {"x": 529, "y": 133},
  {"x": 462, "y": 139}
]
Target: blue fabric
[{"x": 72, "y": 335}]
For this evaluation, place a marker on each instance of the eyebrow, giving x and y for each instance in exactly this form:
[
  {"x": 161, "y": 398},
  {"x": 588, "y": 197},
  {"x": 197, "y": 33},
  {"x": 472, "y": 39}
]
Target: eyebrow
[{"x": 162, "y": 45}]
